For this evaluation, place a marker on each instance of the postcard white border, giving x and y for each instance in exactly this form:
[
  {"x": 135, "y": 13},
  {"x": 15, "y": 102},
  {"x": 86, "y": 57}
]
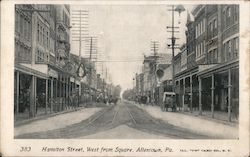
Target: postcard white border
[{"x": 11, "y": 147}]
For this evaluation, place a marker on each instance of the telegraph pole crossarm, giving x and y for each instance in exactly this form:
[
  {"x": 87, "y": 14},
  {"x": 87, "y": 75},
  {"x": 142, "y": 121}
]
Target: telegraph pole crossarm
[{"x": 179, "y": 9}]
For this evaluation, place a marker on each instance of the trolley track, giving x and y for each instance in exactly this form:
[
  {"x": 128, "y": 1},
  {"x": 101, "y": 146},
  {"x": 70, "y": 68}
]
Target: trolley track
[{"x": 124, "y": 113}]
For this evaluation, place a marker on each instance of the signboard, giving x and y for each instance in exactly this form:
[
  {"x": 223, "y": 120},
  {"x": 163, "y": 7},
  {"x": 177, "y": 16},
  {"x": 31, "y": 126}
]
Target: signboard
[
  {"x": 72, "y": 79},
  {"x": 52, "y": 73}
]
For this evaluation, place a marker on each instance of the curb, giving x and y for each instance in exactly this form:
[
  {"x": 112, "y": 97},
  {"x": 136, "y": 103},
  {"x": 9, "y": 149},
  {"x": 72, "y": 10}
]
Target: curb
[
  {"x": 23, "y": 122},
  {"x": 233, "y": 124}
]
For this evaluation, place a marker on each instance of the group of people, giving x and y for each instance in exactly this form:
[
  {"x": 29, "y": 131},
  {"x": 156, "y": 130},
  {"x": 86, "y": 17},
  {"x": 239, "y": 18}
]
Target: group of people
[{"x": 107, "y": 100}]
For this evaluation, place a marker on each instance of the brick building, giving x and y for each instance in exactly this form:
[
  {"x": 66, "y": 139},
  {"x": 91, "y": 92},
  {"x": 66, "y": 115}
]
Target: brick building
[
  {"x": 44, "y": 81},
  {"x": 211, "y": 80}
]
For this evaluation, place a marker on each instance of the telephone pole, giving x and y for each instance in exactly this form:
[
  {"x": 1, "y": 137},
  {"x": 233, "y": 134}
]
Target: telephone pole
[
  {"x": 154, "y": 48},
  {"x": 91, "y": 46},
  {"x": 79, "y": 19},
  {"x": 179, "y": 9}
]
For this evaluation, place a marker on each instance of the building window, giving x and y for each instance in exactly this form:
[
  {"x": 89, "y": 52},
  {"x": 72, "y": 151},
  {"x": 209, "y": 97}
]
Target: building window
[
  {"x": 41, "y": 34},
  {"x": 224, "y": 19},
  {"x": 201, "y": 25},
  {"x": 25, "y": 29},
  {"x": 38, "y": 27},
  {"x": 199, "y": 52},
  {"x": 44, "y": 42},
  {"x": 215, "y": 56},
  {"x": 196, "y": 51},
  {"x": 200, "y": 28},
  {"x": 21, "y": 25},
  {"x": 196, "y": 35},
  {"x": 228, "y": 16},
  {"x": 209, "y": 57},
  {"x": 229, "y": 12},
  {"x": 236, "y": 47},
  {"x": 29, "y": 30},
  {"x": 236, "y": 14},
  {"x": 215, "y": 23},
  {"x": 210, "y": 27},
  {"x": 201, "y": 48},
  {"x": 229, "y": 50},
  {"x": 204, "y": 24},
  {"x": 47, "y": 39},
  {"x": 16, "y": 21},
  {"x": 225, "y": 51},
  {"x": 204, "y": 46}
]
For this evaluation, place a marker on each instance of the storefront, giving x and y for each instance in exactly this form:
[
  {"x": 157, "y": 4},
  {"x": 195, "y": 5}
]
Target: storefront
[
  {"x": 186, "y": 89},
  {"x": 219, "y": 89},
  {"x": 30, "y": 93}
]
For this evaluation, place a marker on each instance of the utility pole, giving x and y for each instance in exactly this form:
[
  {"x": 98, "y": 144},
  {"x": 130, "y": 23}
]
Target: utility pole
[
  {"x": 91, "y": 46},
  {"x": 154, "y": 48},
  {"x": 102, "y": 79},
  {"x": 179, "y": 9},
  {"x": 90, "y": 57},
  {"x": 79, "y": 30}
]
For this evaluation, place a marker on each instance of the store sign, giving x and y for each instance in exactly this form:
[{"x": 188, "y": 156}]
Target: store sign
[
  {"x": 72, "y": 79},
  {"x": 53, "y": 73},
  {"x": 78, "y": 82}
]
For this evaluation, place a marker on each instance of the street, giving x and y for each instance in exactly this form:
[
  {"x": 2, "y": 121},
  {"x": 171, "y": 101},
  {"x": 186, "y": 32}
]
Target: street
[{"x": 124, "y": 120}]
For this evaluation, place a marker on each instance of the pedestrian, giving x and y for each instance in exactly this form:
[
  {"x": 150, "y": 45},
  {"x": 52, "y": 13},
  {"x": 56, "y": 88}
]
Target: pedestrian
[{"x": 226, "y": 104}]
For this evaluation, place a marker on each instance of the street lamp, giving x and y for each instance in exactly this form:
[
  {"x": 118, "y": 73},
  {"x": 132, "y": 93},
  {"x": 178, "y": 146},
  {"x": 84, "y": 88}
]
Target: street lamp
[{"x": 179, "y": 9}]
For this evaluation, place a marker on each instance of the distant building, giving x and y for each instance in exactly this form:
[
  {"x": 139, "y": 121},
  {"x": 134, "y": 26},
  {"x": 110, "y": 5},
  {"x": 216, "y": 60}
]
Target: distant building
[
  {"x": 149, "y": 74},
  {"x": 139, "y": 84}
]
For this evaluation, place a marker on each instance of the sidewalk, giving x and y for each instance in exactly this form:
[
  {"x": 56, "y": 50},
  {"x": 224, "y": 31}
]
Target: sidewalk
[
  {"x": 59, "y": 121},
  {"x": 207, "y": 126}
]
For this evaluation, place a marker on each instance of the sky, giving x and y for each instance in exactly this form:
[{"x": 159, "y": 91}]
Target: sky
[{"x": 124, "y": 35}]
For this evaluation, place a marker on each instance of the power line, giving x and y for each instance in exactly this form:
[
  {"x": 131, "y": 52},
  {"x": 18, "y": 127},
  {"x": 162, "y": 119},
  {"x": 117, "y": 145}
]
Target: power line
[{"x": 119, "y": 61}]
